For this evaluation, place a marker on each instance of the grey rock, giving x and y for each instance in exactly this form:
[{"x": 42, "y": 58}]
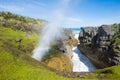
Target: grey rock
[
  {"x": 101, "y": 42},
  {"x": 63, "y": 43}
]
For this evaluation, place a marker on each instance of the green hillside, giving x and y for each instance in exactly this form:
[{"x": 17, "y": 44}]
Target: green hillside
[
  {"x": 16, "y": 63},
  {"x": 18, "y": 22}
]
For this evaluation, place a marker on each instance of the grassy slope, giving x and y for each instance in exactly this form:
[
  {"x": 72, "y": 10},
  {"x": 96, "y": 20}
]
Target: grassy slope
[
  {"x": 110, "y": 73},
  {"x": 16, "y": 63},
  {"x": 57, "y": 60},
  {"x": 18, "y": 22}
]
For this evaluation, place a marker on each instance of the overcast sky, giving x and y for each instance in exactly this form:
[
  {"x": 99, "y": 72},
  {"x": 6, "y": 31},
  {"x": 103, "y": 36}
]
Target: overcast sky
[{"x": 77, "y": 13}]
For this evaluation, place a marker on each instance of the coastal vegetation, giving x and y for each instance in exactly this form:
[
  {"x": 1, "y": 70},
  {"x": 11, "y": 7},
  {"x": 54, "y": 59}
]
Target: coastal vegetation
[{"x": 17, "y": 44}]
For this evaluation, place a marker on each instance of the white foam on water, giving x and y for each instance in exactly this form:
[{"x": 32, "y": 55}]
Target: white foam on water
[{"x": 80, "y": 62}]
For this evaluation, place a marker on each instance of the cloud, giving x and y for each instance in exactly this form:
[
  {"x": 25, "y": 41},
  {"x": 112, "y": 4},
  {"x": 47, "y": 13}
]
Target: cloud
[
  {"x": 72, "y": 22},
  {"x": 39, "y": 3},
  {"x": 74, "y": 19},
  {"x": 20, "y": 6},
  {"x": 11, "y": 8}
]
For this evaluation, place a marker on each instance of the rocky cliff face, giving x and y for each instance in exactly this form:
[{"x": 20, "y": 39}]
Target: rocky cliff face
[
  {"x": 65, "y": 42},
  {"x": 97, "y": 45},
  {"x": 59, "y": 57},
  {"x": 68, "y": 40}
]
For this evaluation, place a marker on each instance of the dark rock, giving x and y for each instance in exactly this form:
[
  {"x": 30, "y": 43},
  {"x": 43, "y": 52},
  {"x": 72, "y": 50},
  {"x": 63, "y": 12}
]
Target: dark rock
[
  {"x": 18, "y": 40},
  {"x": 100, "y": 51},
  {"x": 87, "y": 33}
]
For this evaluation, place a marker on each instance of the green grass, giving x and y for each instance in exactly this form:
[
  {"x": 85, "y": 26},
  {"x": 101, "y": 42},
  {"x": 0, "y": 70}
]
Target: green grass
[
  {"x": 52, "y": 53},
  {"x": 116, "y": 40},
  {"x": 110, "y": 73},
  {"x": 16, "y": 62},
  {"x": 14, "y": 68},
  {"x": 18, "y": 22}
]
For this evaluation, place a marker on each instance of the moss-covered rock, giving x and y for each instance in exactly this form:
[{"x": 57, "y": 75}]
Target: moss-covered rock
[{"x": 57, "y": 60}]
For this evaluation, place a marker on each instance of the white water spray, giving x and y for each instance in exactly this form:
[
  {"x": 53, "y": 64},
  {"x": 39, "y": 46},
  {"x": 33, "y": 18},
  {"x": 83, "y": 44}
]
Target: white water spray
[
  {"x": 80, "y": 62},
  {"x": 51, "y": 31}
]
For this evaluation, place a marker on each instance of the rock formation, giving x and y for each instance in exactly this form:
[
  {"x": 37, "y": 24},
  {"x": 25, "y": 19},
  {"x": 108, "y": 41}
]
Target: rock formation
[
  {"x": 65, "y": 42},
  {"x": 97, "y": 45},
  {"x": 59, "y": 57}
]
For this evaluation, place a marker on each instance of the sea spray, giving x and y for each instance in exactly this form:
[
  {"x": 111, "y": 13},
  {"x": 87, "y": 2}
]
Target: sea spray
[
  {"x": 80, "y": 62},
  {"x": 49, "y": 34},
  {"x": 51, "y": 31}
]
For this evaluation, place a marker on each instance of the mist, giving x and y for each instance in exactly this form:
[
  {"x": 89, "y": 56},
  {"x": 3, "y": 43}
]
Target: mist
[{"x": 51, "y": 31}]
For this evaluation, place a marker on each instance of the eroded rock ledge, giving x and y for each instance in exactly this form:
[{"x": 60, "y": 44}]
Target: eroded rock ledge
[{"x": 98, "y": 44}]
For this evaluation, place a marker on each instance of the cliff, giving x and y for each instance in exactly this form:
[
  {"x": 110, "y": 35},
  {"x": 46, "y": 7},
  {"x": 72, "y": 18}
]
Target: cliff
[
  {"x": 97, "y": 44},
  {"x": 60, "y": 54}
]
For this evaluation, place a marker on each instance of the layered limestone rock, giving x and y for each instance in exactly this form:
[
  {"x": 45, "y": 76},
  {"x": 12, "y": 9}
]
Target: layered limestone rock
[{"x": 97, "y": 45}]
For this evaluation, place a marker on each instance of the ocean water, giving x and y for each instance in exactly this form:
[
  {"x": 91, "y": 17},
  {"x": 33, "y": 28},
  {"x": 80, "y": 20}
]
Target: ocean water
[
  {"x": 75, "y": 30},
  {"x": 80, "y": 62}
]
